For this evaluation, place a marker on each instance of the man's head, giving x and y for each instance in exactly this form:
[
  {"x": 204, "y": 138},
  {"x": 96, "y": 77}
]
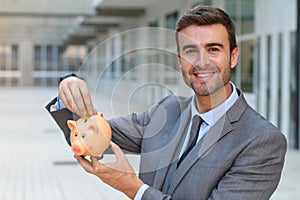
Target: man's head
[
  {"x": 207, "y": 50},
  {"x": 205, "y": 15}
]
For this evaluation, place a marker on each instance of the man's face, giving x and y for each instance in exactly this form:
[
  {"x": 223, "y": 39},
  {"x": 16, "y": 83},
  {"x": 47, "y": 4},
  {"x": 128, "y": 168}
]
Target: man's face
[{"x": 205, "y": 58}]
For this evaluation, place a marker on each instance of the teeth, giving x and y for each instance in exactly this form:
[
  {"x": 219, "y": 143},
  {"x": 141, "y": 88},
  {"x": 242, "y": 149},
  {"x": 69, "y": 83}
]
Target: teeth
[{"x": 203, "y": 75}]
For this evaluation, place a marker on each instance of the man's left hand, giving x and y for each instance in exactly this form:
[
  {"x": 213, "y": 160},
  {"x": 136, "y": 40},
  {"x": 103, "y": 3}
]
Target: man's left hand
[{"x": 119, "y": 174}]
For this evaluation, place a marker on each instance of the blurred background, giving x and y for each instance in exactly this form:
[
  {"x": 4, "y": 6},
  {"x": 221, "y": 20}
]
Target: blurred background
[{"x": 117, "y": 46}]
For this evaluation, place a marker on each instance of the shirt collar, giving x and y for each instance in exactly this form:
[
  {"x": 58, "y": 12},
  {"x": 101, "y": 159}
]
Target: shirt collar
[{"x": 212, "y": 116}]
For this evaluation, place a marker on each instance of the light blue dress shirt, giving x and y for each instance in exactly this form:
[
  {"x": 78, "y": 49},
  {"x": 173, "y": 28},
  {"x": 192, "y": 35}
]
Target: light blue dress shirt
[{"x": 59, "y": 105}]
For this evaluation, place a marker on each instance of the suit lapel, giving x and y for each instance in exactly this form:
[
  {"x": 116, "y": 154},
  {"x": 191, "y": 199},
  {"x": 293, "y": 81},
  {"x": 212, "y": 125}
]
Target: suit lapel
[
  {"x": 206, "y": 144},
  {"x": 172, "y": 150}
]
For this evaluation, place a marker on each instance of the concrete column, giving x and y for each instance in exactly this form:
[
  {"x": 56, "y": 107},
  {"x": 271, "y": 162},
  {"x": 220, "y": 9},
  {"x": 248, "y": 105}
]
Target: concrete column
[
  {"x": 297, "y": 71},
  {"x": 263, "y": 79},
  {"x": 274, "y": 80},
  {"x": 285, "y": 102},
  {"x": 26, "y": 63},
  {"x": 117, "y": 55}
]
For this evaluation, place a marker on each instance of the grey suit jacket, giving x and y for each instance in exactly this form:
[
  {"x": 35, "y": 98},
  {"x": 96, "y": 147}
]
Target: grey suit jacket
[{"x": 240, "y": 157}]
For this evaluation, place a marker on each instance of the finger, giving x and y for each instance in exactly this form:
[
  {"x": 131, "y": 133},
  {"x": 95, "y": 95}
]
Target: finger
[
  {"x": 68, "y": 100},
  {"x": 65, "y": 93},
  {"x": 117, "y": 151},
  {"x": 94, "y": 162},
  {"x": 78, "y": 102},
  {"x": 88, "y": 104},
  {"x": 85, "y": 164},
  {"x": 98, "y": 167},
  {"x": 64, "y": 100}
]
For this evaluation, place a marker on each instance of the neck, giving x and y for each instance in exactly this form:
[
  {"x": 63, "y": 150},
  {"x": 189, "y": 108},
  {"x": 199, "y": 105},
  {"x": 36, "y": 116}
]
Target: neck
[{"x": 207, "y": 103}]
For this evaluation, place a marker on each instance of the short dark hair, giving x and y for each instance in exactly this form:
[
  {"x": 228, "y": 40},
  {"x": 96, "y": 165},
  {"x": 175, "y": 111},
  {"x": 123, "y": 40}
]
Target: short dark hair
[{"x": 207, "y": 15}]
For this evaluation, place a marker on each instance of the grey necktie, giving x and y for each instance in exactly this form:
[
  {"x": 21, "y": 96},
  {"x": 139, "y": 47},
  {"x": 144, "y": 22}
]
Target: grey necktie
[{"x": 196, "y": 123}]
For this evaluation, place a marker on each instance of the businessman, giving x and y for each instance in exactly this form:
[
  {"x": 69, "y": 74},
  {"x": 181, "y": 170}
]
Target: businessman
[{"x": 211, "y": 145}]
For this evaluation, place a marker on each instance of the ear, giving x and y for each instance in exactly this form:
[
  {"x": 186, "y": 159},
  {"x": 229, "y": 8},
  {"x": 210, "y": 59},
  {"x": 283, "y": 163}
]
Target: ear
[
  {"x": 234, "y": 57},
  {"x": 179, "y": 58},
  {"x": 71, "y": 124},
  {"x": 92, "y": 128},
  {"x": 100, "y": 114}
]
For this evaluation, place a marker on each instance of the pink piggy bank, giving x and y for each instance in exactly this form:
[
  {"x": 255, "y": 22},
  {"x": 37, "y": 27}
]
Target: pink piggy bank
[{"x": 91, "y": 136}]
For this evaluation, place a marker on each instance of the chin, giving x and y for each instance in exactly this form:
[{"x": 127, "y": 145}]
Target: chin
[{"x": 202, "y": 90}]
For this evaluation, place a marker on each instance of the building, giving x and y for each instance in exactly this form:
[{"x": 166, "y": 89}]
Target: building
[{"x": 126, "y": 47}]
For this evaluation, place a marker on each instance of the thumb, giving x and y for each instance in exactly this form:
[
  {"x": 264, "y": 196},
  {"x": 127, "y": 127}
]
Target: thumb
[{"x": 117, "y": 150}]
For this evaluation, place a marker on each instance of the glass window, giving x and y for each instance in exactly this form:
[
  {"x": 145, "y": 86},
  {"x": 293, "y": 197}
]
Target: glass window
[
  {"x": 37, "y": 57},
  {"x": 242, "y": 13},
  {"x": 113, "y": 63},
  {"x": 8, "y": 57},
  {"x": 71, "y": 57},
  {"x": 153, "y": 23},
  {"x": 246, "y": 63},
  {"x": 202, "y": 2},
  {"x": 2, "y": 57},
  {"x": 123, "y": 54},
  {"x": 49, "y": 57},
  {"x": 14, "y": 57},
  {"x": 14, "y": 81},
  {"x": 9, "y": 62},
  {"x": 171, "y": 20},
  {"x": 2, "y": 81},
  {"x": 61, "y": 50}
]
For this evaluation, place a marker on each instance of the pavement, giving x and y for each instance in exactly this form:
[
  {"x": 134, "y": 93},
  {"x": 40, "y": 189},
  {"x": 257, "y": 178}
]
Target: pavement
[{"x": 37, "y": 164}]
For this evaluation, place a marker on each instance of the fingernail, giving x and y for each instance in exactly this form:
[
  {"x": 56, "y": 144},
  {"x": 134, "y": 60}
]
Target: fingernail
[{"x": 90, "y": 111}]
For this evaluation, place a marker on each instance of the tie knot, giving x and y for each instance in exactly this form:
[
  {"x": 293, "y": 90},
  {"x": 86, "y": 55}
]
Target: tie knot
[
  {"x": 196, "y": 122},
  {"x": 196, "y": 119}
]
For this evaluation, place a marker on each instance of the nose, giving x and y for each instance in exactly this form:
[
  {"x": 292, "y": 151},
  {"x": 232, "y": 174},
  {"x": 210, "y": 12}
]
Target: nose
[
  {"x": 203, "y": 59},
  {"x": 77, "y": 148}
]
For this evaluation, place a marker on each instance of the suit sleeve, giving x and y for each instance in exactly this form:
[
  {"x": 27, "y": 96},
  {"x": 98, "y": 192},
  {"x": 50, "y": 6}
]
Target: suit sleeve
[
  {"x": 128, "y": 132},
  {"x": 152, "y": 193},
  {"x": 256, "y": 172}
]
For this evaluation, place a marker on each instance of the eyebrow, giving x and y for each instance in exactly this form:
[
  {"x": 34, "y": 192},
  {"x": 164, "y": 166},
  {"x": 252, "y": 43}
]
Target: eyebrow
[
  {"x": 215, "y": 44},
  {"x": 207, "y": 45}
]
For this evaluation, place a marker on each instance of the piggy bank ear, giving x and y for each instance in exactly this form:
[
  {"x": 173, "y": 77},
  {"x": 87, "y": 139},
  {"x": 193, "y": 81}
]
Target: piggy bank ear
[
  {"x": 71, "y": 124},
  {"x": 100, "y": 114},
  {"x": 93, "y": 128}
]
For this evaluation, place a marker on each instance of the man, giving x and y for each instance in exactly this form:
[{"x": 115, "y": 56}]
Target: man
[{"x": 235, "y": 154}]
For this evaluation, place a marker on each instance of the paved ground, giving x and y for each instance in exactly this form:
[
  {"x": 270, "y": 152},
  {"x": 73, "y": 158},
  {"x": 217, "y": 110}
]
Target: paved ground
[{"x": 36, "y": 163}]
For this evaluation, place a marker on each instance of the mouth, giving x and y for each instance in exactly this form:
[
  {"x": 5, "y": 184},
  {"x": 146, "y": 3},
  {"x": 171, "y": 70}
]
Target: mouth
[{"x": 205, "y": 75}]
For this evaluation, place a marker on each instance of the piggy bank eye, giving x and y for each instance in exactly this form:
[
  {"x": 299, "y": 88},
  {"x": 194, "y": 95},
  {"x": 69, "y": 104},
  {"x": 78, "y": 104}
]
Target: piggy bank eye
[
  {"x": 83, "y": 136},
  {"x": 76, "y": 134}
]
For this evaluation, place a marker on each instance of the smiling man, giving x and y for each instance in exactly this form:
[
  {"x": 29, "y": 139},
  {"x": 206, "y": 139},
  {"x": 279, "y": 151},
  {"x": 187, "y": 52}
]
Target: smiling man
[
  {"x": 212, "y": 145},
  {"x": 206, "y": 60}
]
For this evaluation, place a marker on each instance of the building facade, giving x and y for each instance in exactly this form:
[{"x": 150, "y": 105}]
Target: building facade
[{"x": 127, "y": 47}]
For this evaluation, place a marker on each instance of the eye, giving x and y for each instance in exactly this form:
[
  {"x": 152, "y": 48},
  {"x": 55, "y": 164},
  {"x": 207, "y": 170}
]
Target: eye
[
  {"x": 76, "y": 134},
  {"x": 190, "y": 51},
  {"x": 213, "y": 49},
  {"x": 83, "y": 136}
]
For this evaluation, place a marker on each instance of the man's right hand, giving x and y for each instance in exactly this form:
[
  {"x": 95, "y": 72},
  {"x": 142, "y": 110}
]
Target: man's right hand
[{"x": 75, "y": 95}]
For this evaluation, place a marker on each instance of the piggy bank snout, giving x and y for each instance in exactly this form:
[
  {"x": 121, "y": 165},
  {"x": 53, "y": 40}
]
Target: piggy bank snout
[{"x": 77, "y": 148}]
